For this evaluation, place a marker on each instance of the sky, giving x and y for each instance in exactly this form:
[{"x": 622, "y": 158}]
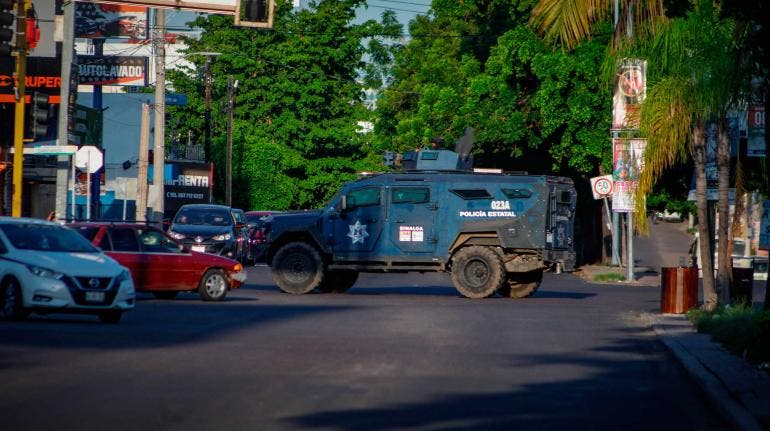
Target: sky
[{"x": 405, "y": 10}]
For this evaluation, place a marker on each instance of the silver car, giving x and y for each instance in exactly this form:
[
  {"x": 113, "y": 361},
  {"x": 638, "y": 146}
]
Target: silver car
[{"x": 48, "y": 268}]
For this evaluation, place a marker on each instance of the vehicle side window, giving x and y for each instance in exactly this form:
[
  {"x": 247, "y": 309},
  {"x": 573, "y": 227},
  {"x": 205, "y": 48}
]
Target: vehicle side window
[
  {"x": 155, "y": 242},
  {"x": 124, "y": 239},
  {"x": 3, "y": 250},
  {"x": 410, "y": 195},
  {"x": 363, "y": 197},
  {"x": 104, "y": 243}
]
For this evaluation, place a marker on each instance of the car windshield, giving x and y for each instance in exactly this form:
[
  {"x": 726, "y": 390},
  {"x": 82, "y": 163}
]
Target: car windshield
[
  {"x": 42, "y": 237},
  {"x": 207, "y": 216}
]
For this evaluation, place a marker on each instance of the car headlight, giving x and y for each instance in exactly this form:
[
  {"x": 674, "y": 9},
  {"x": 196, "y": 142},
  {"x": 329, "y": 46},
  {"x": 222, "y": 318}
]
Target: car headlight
[
  {"x": 45, "y": 272},
  {"x": 175, "y": 235},
  {"x": 123, "y": 276},
  {"x": 223, "y": 237}
]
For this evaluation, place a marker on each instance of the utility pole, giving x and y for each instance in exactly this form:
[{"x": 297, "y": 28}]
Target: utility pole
[
  {"x": 141, "y": 179},
  {"x": 21, "y": 74},
  {"x": 159, "y": 137},
  {"x": 230, "y": 107},
  {"x": 65, "y": 106},
  {"x": 207, "y": 113},
  {"x": 94, "y": 179}
]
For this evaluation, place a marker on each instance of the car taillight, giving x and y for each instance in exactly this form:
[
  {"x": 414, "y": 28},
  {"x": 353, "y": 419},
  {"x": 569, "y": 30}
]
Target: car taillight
[{"x": 259, "y": 237}]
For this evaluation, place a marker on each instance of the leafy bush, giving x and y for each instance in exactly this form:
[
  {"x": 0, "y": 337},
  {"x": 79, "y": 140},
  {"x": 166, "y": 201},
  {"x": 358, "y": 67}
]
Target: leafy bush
[{"x": 741, "y": 329}]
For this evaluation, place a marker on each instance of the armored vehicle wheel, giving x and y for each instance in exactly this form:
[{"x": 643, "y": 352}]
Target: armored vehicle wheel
[
  {"x": 521, "y": 284},
  {"x": 297, "y": 268},
  {"x": 338, "y": 281},
  {"x": 477, "y": 272}
]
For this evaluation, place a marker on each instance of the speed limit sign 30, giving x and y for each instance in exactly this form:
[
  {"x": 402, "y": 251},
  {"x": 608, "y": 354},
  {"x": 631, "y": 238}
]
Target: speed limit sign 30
[{"x": 601, "y": 186}]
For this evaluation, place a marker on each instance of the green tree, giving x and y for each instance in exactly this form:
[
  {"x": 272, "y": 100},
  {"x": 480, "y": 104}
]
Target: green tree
[
  {"x": 298, "y": 102},
  {"x": 520, "y": 97}
]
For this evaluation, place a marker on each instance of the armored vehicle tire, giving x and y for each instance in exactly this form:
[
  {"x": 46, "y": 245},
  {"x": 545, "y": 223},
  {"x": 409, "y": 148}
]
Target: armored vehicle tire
[
  {"x": 477, "y": 272},
  {"x": 521, "y": 284},
  {"x": 338, "y": 281},
  {"x": 297, "y": 268}
]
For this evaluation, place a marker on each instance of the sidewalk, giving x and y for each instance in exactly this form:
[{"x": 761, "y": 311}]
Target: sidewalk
[{"x": 739, "y": 392}]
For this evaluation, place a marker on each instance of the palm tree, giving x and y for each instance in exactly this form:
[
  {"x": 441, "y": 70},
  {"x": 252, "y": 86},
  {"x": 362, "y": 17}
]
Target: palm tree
[
  {"x": 688, "y": 59},
  {"x": 693, "y": 55}
]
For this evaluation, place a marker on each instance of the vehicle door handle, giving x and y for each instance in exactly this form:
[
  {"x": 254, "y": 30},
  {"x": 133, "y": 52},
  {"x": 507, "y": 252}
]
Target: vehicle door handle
[
  {"x": 372, "y": 220},
  {"x": 399, "y": 221}
]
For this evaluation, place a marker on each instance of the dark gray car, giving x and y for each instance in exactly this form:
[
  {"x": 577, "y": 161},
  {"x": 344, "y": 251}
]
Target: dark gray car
[{"x": 211, "y": 229}]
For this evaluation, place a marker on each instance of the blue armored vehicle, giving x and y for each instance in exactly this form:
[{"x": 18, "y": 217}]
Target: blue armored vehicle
[{"x": 494, "y": 232}]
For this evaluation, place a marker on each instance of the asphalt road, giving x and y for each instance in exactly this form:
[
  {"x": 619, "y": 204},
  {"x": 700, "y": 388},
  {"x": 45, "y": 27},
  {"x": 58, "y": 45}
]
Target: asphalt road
[{"x": 398, "y": 352}]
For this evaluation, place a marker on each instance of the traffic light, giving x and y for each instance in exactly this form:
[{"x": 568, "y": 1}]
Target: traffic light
[
  {"x": 39, "y": 115},
  {"x": 33, "y": 29},
  {"x": 7, "y": 19},
  {"x": 254, "y": 13}
]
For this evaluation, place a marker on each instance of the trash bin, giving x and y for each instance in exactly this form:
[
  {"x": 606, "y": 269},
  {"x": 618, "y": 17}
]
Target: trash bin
[
  {"x": 743, "y": 280},
  {"x": 679, "y": 289}
]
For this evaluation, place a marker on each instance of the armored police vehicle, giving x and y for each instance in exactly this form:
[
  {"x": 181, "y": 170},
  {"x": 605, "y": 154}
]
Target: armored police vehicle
[{"x": 494, "y": 232}]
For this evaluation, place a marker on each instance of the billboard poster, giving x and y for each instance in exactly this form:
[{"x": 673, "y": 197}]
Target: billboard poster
[
  {"x": 630, "y": 91},
  {"x": 43, "y": 75},
  {"x": 756, "y": 135},
  {"x": 627, "y": 165},
  {"x": 187, "y": 183},
  {"x": 112, "y": 70},
  {"x": 99, "y": 20}
]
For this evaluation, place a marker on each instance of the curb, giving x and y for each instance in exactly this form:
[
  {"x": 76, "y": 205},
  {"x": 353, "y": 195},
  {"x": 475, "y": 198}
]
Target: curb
[{"x": 737, "y": 391}]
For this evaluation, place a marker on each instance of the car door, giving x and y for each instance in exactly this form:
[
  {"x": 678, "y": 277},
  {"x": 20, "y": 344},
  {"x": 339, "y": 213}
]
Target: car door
[
  {"x": 413, "y": 218},
  {"x": 166, "y": 266},
  {"x": 358, "y": 229},
  {"x": 125, "y": 249}
]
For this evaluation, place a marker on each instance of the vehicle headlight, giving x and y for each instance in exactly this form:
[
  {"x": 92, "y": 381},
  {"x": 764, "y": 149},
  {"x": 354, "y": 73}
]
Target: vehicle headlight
[
  {"x": 123, "y": 276},
  {"x": 223, "y": 237},
  {"x": 175, "y": 235},
  {"x": 45, "y": 272}
]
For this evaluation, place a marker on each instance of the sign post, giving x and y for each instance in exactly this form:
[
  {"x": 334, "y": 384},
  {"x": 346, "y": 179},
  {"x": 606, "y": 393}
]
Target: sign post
[
  {"x": 602, "y": 188},
  {"x": 91, "y": 159}
]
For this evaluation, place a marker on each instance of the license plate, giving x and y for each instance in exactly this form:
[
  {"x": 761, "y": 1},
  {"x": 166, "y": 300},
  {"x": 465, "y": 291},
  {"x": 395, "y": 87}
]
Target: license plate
[
  {"x": 94, "y": 296},
  {"x": 199, "y": 248}
]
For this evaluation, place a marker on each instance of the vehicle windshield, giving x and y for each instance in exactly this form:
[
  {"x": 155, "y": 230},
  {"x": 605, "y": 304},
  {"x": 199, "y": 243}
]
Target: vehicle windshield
[
  {"x": 204, "y": 216},
  {"x": 41, "y": 237}
]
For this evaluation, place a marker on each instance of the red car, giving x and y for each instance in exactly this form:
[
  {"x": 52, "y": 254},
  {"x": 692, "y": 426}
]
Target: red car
[{"x": 159, "y": 264}]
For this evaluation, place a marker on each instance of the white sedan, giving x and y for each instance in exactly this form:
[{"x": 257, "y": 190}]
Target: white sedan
[{"x": 48, "y": 268}]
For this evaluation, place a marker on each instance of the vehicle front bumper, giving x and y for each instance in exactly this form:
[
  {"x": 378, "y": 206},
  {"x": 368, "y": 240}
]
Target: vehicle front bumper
[{"x": 47, "y": 293}]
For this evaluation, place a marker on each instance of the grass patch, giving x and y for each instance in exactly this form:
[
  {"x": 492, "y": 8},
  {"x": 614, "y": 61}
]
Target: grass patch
[
  {"x": 609, "y": 276},
  {"x": 741, "y": 329}
]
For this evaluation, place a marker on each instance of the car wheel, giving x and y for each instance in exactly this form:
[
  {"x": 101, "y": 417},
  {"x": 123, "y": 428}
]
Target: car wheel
[
  {"x": 477, "y": 272},
  {"x": 111, "y": 316},
  {"x": 213, "y": 286},
  {"x": 298, "y": 268},
  {"x": 521, "y": 284},
  {"x": 165, "y": 294},
  {"x": 338, "y": 281},
  {"x": 11, "y": 303}
]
